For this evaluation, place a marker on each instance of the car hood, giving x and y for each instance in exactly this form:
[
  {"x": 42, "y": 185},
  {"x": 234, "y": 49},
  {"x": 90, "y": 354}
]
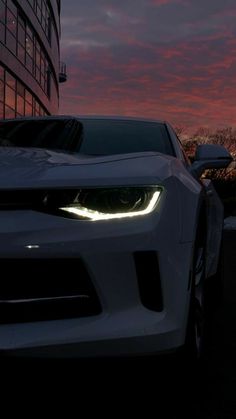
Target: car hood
[{"x": 38, "y": 168}]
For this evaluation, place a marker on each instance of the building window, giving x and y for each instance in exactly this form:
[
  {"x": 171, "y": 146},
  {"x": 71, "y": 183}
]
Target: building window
[
  {"x": 21, "y": 39},
  {"x": 11, "y": 22},
  {"x": 15, "y": 99},
  {"x": 43, "y": 13}
]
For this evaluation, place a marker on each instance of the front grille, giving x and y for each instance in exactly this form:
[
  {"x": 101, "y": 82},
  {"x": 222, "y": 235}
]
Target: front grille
[
  {"x": 45, "y": 289},
  {"x": 21, "y": 199}
]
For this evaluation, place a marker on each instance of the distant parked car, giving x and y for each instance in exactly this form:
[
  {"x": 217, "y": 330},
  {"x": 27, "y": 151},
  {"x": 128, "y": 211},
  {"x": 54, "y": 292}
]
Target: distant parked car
[{"x": 107, "y": 237}]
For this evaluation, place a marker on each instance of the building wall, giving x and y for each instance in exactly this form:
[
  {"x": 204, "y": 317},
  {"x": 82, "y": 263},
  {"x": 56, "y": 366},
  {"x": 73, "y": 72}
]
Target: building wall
[{"x": 29, "y": 57}]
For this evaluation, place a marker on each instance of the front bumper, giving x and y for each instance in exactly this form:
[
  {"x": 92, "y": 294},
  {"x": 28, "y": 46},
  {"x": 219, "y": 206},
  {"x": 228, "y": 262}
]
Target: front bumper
[{"x": 124, "y": 326}]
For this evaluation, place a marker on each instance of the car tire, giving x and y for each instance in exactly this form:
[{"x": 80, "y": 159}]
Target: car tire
[
  {"x": 215, "y": 287},
  {"x": 196, "y": 325}
]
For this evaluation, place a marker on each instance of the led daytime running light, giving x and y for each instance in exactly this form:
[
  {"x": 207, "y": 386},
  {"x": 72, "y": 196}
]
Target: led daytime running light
[{"x": 97, "y": 216}]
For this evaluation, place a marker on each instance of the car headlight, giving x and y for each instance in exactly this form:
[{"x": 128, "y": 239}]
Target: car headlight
[{"x": 103, "y": 203}]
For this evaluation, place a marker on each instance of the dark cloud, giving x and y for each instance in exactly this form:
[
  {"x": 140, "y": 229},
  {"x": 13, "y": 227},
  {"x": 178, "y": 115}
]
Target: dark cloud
[{"x": 173, "y": 59}]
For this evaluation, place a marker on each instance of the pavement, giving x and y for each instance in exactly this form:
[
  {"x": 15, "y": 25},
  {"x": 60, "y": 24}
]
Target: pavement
[{"x": 216, "y": 379}]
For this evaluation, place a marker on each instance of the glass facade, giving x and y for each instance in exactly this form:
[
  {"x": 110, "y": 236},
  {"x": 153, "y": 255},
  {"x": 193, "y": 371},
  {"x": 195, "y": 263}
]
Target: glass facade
[
  {"x": 29, "y": 65},
  {"x": 44, "y": 16},
  {"x": 21, "y": 39},
  {"x": 15, "y": 99}
]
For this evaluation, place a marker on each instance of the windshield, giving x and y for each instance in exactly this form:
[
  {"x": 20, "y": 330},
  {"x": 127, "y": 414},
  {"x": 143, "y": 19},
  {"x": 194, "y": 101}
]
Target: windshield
[
  {"x": 51, "y": 134},
  {"x": 87, "y": 136}
]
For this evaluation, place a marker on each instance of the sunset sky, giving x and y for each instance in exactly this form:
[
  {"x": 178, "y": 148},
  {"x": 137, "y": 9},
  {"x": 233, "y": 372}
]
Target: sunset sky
[{"x": 163, "y": 59}]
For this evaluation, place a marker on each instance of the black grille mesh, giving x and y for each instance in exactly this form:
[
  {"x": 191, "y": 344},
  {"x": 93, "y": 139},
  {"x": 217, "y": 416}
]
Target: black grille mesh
[{"x": 45, "y": 289}]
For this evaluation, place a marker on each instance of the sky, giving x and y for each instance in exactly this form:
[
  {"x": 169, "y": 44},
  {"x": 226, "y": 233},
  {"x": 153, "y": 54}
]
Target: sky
[{"x": 164, "y": 59}]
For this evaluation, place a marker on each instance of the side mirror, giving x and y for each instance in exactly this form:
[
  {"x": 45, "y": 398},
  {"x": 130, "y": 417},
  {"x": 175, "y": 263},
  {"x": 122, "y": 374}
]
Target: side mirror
[{"x": 210, "y": 156}]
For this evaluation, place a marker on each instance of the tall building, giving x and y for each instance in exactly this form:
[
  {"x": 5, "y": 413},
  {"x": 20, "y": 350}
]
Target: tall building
[{"x": 29, "y": 57}]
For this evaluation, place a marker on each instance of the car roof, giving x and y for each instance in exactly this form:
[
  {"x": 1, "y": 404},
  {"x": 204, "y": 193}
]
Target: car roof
[{"x": 84, "y": 117}]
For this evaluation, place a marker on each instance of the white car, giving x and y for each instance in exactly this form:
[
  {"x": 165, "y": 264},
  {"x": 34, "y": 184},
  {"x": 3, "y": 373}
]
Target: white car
[{"x": 108, "y": 234}]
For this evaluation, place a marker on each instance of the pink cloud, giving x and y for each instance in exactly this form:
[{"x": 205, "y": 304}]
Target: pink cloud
[
  {"x": 164, "y": 2},
  {"x": 189, "y": 80}
]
